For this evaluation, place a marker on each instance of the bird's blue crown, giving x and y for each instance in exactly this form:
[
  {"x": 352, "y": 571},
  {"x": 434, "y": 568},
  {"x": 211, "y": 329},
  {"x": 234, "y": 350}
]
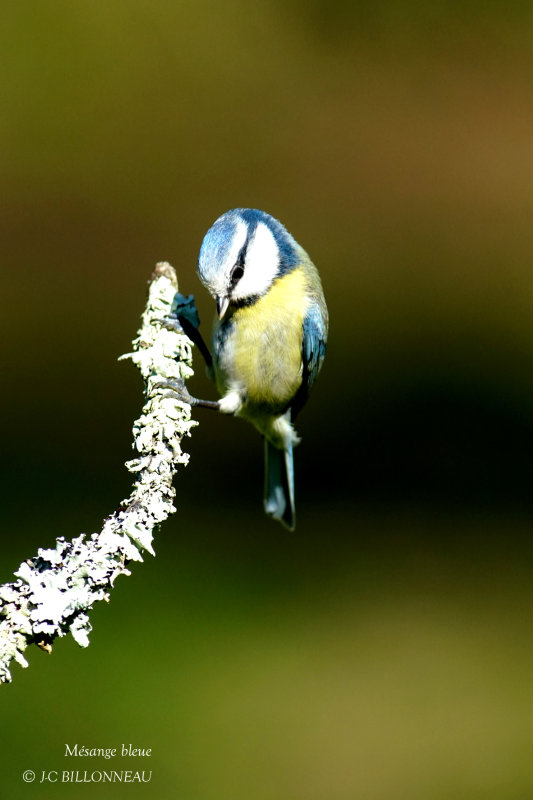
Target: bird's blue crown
[{"x": 219, "y": 239}]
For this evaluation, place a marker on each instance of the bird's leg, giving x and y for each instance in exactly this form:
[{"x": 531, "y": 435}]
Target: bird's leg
[
  {"x": 179, "y": 391},
  {"x": 196, "y": 337},
  {"x": 184, "y": 325},
  {"x": 184, "y": 318}
]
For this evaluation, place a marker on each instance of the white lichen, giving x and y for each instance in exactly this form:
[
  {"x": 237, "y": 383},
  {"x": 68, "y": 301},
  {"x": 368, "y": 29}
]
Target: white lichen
[{"x": 55, "y": 589}]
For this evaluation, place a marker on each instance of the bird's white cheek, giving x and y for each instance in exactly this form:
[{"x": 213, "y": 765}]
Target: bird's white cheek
[{"x": 262, "y": 263}]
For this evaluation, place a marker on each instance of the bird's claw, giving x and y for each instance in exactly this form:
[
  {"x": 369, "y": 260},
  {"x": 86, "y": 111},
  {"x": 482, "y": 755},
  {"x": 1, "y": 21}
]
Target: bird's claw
[
  {"x": 183, "y": 315},
  {"x": 183, "y": 308},
  {"x": 171, "y": 324},
  {"x": 176, "y": 389}
]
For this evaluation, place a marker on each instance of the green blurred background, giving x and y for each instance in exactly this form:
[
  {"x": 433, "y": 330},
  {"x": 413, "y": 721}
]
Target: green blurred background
[{"x": 385, "y": 649}]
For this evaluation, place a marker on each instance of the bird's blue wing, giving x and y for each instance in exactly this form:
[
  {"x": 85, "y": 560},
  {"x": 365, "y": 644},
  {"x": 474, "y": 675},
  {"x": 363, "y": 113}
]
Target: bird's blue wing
[
  {"x": 314, "y": 343},
  {"x": 313, "y": 352}
]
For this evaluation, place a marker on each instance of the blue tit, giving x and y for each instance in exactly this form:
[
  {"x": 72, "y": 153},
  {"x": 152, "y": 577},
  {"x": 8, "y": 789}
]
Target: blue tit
[{"x": 269, "y": 335}]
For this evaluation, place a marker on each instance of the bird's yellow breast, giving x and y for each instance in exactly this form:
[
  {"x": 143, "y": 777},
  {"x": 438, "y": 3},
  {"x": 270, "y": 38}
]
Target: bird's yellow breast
[{"x": 266, "y": 344}]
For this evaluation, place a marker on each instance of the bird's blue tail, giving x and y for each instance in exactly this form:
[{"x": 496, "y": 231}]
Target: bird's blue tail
[{"x": 279, "y": 484}]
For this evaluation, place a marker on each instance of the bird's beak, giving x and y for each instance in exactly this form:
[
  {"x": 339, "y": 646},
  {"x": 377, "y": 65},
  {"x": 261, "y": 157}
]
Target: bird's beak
[{"x": 222, "y": 305}]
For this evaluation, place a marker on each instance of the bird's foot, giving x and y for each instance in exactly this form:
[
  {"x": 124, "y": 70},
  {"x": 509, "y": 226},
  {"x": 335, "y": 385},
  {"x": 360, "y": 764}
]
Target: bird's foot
[
  {"x": 183, "y": 315},
  {"x": 184, "y": 308},
  {"x": 177, "y": 390},
  {"x": 184, "y": 319},
  {"x": 171, "y": 323}
]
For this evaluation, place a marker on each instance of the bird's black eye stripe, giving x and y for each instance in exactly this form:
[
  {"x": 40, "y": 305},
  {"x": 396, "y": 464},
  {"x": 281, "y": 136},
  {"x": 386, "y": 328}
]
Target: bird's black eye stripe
[
  {"x": 238, "y": 269},
  {"x": 237, "y": 274}
]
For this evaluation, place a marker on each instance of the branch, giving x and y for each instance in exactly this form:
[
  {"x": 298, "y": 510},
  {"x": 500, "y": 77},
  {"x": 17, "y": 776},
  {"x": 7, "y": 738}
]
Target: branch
[{"x": 56, "y": 589}]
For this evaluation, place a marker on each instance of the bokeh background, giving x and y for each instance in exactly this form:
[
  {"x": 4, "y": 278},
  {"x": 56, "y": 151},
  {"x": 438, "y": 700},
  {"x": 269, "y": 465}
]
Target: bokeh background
[{"x": 384, "y": 649}]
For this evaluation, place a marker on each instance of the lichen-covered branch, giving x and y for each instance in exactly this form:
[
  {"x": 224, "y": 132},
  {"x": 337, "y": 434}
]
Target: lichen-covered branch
[{"x": 56, "y": 589}]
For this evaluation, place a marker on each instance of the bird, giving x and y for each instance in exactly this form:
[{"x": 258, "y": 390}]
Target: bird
[{"x": 268, "y": 338}]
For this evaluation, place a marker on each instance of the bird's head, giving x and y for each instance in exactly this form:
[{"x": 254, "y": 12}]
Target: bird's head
[{"x": 242, "y": 254}]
